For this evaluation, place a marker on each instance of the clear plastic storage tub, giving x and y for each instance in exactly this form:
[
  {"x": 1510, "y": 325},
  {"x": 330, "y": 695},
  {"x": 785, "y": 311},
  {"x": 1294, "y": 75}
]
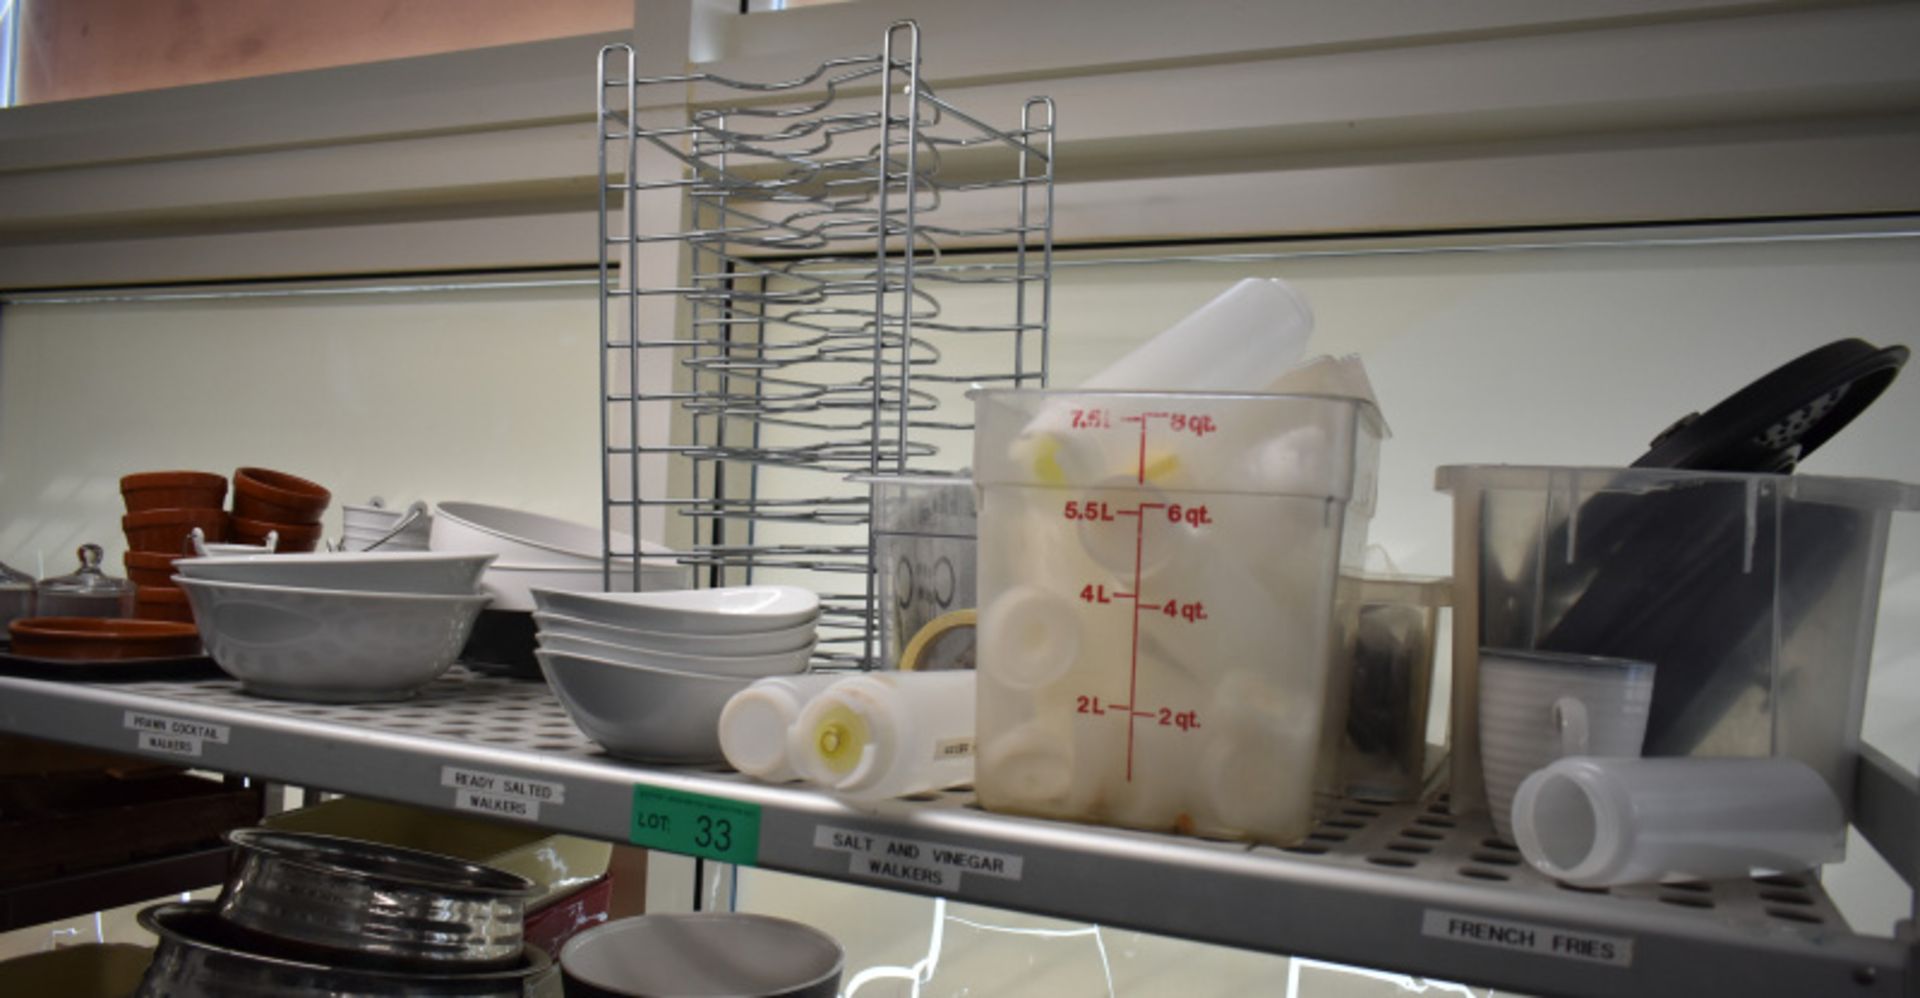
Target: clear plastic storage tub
[
  {"x": 1159, "y": 636},
  {"x": 1755, "y": 596},
  {"x": 1389, "y": 660},
  {"x": 923, "y": 554}
]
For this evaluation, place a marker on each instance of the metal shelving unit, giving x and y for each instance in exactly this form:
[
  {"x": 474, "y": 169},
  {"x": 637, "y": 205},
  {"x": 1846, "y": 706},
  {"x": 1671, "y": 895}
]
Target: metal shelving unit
[{"x": 1398, "y": 886}]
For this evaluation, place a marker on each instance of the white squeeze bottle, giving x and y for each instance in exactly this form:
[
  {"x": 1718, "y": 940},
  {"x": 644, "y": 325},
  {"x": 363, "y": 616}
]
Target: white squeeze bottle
[
  {"x": 755, "y": 721},
  {"x": 887, "y": 734},
  {"x": 1241, "y": 341},
  {"x": 1244, "y": 340}
]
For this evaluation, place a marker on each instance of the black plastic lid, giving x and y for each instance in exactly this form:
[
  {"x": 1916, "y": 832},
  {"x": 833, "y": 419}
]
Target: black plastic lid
[{"x": 1773, "y": 423}]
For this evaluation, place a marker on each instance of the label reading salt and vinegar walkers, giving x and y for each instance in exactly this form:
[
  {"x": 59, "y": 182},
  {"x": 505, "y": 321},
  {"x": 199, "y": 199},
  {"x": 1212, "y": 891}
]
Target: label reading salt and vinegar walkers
[
  {"x": 918, "y": 863},
  {"x": 697, "y": 825}
]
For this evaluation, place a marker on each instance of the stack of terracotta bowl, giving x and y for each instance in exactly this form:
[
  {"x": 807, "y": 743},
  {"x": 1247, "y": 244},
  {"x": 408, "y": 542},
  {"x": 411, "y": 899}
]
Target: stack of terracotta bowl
[
  {"x": 163, "y": 508},
  {"x": 268, "y": 502}
]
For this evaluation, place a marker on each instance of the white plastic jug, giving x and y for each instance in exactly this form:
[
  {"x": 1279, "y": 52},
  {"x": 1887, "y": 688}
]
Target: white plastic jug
[{"x": 1603, "y": 822}]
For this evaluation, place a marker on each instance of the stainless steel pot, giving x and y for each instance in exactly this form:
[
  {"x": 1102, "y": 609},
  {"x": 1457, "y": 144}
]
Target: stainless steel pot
[
  {"x": 202, "y": 956},
  {"x": 384, "y": 904}
]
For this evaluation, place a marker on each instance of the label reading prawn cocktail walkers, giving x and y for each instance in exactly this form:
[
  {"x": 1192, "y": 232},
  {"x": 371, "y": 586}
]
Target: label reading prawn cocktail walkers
[{"x": 172, "y": 735}]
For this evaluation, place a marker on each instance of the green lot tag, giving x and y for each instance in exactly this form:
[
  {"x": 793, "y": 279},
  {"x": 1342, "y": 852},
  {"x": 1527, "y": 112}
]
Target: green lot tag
[{"x": 696, "y": 825}]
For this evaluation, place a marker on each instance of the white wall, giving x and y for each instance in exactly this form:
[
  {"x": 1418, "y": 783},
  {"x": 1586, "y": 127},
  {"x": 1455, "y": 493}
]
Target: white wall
[{"x": 486, "y": 396}]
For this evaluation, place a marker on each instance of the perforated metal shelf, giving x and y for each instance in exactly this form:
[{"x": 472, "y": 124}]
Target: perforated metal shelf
[{"x": 1399, "y": 886}]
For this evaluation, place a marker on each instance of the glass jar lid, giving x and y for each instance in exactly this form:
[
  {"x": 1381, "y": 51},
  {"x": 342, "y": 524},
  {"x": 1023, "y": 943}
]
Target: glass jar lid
[{"x": 89, "y": 580}]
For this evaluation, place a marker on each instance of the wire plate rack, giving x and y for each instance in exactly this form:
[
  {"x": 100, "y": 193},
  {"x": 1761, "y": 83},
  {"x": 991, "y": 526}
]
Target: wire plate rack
[{"x": 814, "y": 225}]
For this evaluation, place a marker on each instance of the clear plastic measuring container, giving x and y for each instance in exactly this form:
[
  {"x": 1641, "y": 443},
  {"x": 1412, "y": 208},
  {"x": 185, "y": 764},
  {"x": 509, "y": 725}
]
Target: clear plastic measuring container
[{"x": 1158, "y": 631}]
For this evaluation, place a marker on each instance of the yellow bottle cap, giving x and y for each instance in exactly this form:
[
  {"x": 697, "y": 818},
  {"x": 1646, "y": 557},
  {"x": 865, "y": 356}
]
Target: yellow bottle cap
[{"x": 840, "y": 737}]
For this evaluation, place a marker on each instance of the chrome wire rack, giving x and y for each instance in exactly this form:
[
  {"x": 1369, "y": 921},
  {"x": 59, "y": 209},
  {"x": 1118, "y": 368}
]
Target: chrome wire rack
[{"x": 814, "y": 226}]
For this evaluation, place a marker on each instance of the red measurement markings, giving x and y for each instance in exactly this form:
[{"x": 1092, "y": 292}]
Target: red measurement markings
[
  {"x": 1091, "y": 419},
  {"x": 1199, "y": 425},
  {"x": 1192, "y": 613},
  {"x": 1133, "y": 655},
  {"x": 1090, "y": 510},
  {"x": 1192, "y": 516},
  {"x": 1185, "y": 720},
  {"x": 1196, "y": 424},
  {"x": 1097, "y": 593},
  {"x": 1166, "y": 717}
]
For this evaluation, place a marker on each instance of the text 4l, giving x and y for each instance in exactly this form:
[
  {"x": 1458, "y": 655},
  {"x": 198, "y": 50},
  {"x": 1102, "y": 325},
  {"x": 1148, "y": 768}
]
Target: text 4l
[{"x": 1096, "y": 594}]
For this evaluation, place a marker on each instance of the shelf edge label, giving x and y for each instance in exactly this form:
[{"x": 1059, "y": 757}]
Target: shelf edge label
[
  {"x": 172, "y": 735},
  {"x": 501, "y": 785},
  {"x": 169, "y": 744},
  {"x": 913, "y": 862},
  {"x": 696, "y": 825},
  {"x": 1528, "y": 937}
]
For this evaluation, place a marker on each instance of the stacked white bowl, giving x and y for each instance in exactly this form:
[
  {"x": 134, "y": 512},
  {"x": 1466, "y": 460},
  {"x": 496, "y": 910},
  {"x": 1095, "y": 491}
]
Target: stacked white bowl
[
  {"x": 363, "y": 525},
  {"x": 339, "y": 627},
  {"x": 646, "y": 674},
  {"x": 544, "y": 552}
]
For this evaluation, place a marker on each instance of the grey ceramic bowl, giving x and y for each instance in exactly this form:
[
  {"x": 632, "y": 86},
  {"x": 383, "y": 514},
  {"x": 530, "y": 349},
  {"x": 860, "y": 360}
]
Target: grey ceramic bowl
[{"x": 702, "y": 955}]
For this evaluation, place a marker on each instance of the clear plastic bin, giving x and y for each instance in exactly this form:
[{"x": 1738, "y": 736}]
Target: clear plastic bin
[
  {"x": 1159, "y": 635},
  {"x": 923, "y": 553},
  {"x": 1389, "y": 660},
  {"x": 1755, "y": 596}
]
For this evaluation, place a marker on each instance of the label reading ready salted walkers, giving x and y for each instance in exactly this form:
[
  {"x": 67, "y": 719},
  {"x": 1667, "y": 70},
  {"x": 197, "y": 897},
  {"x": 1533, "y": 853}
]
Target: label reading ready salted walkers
[
  {"x": 501, "y": 795},
  {"x": 697, "y": 825}
]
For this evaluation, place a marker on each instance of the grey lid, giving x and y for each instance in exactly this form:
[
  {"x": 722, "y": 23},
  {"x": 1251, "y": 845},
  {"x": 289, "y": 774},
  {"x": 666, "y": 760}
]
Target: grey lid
[
  {"x": 10, "y": 579},
  {"x": 89, "y": 579}
]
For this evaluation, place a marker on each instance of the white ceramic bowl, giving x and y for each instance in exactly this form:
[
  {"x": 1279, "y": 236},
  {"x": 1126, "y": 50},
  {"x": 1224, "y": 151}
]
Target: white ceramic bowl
[
  {"x": 329, "y": 645},
  {"x": 523, "y": 538},
  {"x": 512, "y": 586},
  {"x": 237, "y": 550},
  {"x": 797, "y": 638},
  {"x": 650, "y": 715},
  {"x": 373, "y": 571},
  {"x": 379, "y": 519},
  {"x": 779, "y": 664},
  {"x": 725, "y": 610},
  {"x": 393, "y": 544}
]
